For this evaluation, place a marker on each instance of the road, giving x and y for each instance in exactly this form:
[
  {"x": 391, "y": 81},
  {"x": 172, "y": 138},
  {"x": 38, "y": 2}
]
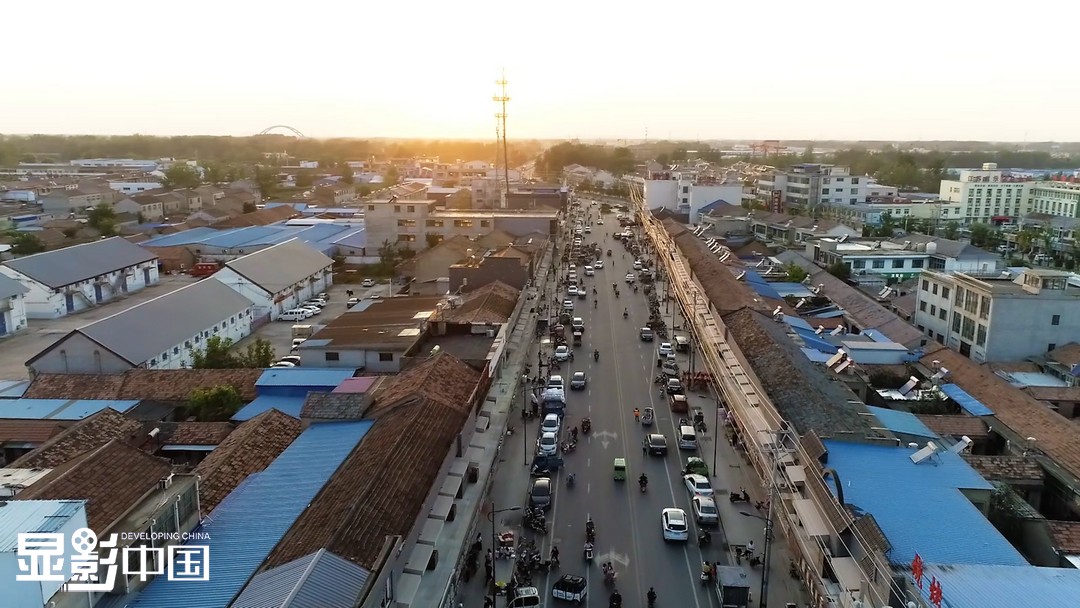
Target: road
[{"x": 627, "y": 521}]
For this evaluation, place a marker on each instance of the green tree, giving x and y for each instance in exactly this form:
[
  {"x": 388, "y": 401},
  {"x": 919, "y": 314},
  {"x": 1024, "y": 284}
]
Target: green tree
[
  {"x": 305, "y": 178},
  {"x": 391, "y": 178},
  {"x": 249, "y": 208},
  {"x": 259, "y": 353},
  {"x": 952, "y": 228},
  {"x": 347, "y": 175},
  {"x": 795, "y": 273},
  {"x": 215, "y": 404},
  {"x": 26, "y": 243},
  {"x": 215, "y": 173},
  {"x": 808, "y": 154},
  {"x": 215, "y": 355},
  {"x": 103, "y": 219},
  {"x": 981, "y": 235},
  {"x": 267, "y": 180},
  {"x": 839, "y": 270},
  {"x": 181, "y": 175}
]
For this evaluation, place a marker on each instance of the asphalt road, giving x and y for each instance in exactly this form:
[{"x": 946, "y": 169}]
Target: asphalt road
[{"x": 627, "y": 521}]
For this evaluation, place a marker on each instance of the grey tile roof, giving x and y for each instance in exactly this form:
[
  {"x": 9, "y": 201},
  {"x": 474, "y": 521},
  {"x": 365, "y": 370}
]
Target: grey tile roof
[
  {"x": 10, "y": 287},
  {"x": 319, "y": 580},
  {"x": 143, "y": 332},
  {"x": 70, "y": 265},
  {"x": 276, "y": 268},
  {"x": 334, "y": 406}
]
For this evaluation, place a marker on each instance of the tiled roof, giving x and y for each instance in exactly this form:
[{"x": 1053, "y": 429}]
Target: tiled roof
[
  {"x": 157, "y": 384},
  {"x": 112, "y": 479},
  {"x": 1066, "y": 535},
  {"x": 1067, "y": 354},
  {"x": 249, "y": 449},
  {"x": 87, "y": 434},
  {"x": 495, "y": 239},
  {"x": 1054, "y": 393},
  {"x": 1022, "y": 413},
  {"x": 955, "y": 426},
  {"x": 492, "y": 303},
  {"x": 190, "y": 432},
  {"x": 724, "y": 291},
  {"x": 334, "y": 406},
  {"x": 381, "y": 487},
  {"x": 1006, "y": 468},
  {"x": 800, "y": 389},
  {"x": 31, "y": 431}
]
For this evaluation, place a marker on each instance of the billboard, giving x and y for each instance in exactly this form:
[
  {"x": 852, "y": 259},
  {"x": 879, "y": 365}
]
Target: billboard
[{"x": 776, "y": 201}]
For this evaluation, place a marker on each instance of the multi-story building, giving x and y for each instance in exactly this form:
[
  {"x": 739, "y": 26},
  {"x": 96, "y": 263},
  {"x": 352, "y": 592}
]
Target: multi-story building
[
  {"x": 988, "y": 196},
  {"x": 812, "y": 185},
  {"x": 1060, "y": 198},
  {"x": 1006, "y": 318},
  {"x": 417, "y": 224},
  {"x": 86, "y": 196},
  {"x": 905, "y": 257},
  {"x": 899, "y": 210},
  {"x": 687, "y": 191}
]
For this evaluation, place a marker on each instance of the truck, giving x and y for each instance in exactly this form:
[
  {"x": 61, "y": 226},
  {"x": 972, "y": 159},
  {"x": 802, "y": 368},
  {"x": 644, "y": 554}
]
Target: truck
[
  {"x": 201, "y": 270},
  {"x": 302, "y": 331},
  {"x": 733, "y": 587},
  {"x": 553, "y": 401}
]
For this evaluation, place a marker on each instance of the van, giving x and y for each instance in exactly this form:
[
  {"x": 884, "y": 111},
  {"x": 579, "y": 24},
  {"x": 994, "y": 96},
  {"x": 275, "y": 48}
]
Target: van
[
  {"x": 687, "y": 438},
  {"x": 682, "y": 344},
  {"x": 295, "y": 314}
]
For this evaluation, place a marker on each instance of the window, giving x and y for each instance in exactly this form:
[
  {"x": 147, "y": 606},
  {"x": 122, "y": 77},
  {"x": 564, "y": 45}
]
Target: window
[
  {"x": 879, "y": 263},
  {"x": 898, "y": 263},
  {"x": 824, "y": 190},
  {"x": 411, "y": 208},
  {"x": 176, "y": 350},
  {"x": 980, "y": 337},
  {"x": 933, "y": 310},
  {"x": 1055, "y": 320},
  {"x": 406, "y": 223},
  {"x": 485, "y": 223},
  {"x": 854, "y": 190},
  {"x": 434, "y": 223},
  {"x": 686, "y": 189},
  {"x": 956, "y": 321},
  {"x": 984, "y": 307},
  {"x": 941, "y": 314},
  {"x": 858, "y": 264},
  {"x": 333, "y": 357},
  {"x": 855, "y": 180},
  {"x": 371, "y": 207},
  {"x": 463, "y": 224},
  {"x": 922, "y": 305},
  {"x": 386, "y": 357},
  {"x": 1051, "y": 346},
  {"x": 967, "y": 329},
  {"x": 925, "y": 285},
  {"x": 959, "y": 296},
  {"x": 397, "y": 208},
  {"x": 933, "y": 288},
  {"x": 944, "y": 290}
]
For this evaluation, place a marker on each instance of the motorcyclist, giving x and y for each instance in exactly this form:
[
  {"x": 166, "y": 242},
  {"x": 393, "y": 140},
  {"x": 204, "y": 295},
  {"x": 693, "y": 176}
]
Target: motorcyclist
[
  {"x": 596, "y": 354},
  {"x": 625, "y": 312},
  {"x": 651, "y": 596},
  {"x": 615, "y": 601},
  {"x": 555, "y": 555},
  {"x": 643, "y": 481},
  {"x": 595, "y": 303}
]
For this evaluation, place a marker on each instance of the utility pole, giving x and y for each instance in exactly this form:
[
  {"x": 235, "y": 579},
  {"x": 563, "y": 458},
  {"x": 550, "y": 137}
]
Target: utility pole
[{"x": 500, "y": 129}]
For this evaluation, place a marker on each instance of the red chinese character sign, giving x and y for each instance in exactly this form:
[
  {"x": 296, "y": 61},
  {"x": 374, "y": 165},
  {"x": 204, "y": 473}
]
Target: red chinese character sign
[
  {"x": 935, "y": 592},
  {"x": 917, "y": 570}
]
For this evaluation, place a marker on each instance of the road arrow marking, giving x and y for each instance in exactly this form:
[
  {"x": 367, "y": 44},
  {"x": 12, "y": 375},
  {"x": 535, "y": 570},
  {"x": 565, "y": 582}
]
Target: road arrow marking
[
  {"x": 606, "y": 437},
  {"x": 612, "y": 556}
]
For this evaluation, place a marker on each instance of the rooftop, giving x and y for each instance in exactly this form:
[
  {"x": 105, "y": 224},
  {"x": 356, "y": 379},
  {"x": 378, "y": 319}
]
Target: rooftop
[
  {"x": 319, "y": 580},
  {"x": 325, "y": 378},
  {"x": 190, "y": 433},
  {"x": 956, "y": 426},
  {"x": 492, "y": 303},
  {"x": 902, "y": 423},
  {"x": 321, "y": 236},
  {"x": 334, "y": 406},
  {"x": 34, "y": 516},
  {"x": 58, "y": 409},
  {"x": 249, "y": 449},
  {"x": 155, "y": 384},
  {"x": 111, "y": 479},
  {"x": 1011, "y": 469},
  {"x": 77, "y": 263},
  {"x": 1066, "y": 535},
  {"x": 87, "y": 434},
  {"x": 394, "y": 323},
  {"x": 272, "y": 501},
  {"x": 881, "y": 480},
  {"x": 381, "y": 488},
  {"x": 281, "y": 266},
  {"x": 724, "y": 291},
  {"x": 31, "y": 431},
  {"x": 1004, "y": 586}
]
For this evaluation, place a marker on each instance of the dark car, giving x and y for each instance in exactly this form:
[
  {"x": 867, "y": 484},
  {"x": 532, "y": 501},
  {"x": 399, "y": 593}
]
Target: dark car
[
  {"x": 674, "y": 387},
  {"x": 540, "y": 493},
  {"x": 656, "y": 444},
  {"x": 646, "y": 334}
]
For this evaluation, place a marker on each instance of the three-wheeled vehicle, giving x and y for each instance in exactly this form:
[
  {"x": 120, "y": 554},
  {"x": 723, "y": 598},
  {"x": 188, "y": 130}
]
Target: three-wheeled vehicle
[
  {"x": 524, "y": 597},
  {"x": 571, "y": 588},
  {"x": 545, "y": 465},
  {"x": 647, "y": 416},
  {"x": 620, "y": 469},
  {"x": 609, "y": 253},
  {"x": 577, "y": 338}
]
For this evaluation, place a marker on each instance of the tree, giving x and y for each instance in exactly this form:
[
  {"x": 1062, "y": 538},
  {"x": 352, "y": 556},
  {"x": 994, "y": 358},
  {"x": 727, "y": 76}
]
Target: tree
[
  {"x": 795, "y": 273},
  {"x": 103, "y": 219},
  {"x": 267, "y": 180},
  {"x": 181, "y": 176},
  {"x": 808, "y": 154},
  {"x": 305, "y": 178},
  {"x": 952, "y": 228},
  {"x": 259, "y": 353},
  {"x": 215, "y": 173},
  {"x": 347, "y": 176},
  {"x": 215, "y": 404},
  {"x": 249, "y": 208},
  {"x": 25, "y": 243},
  {"x": 215, "y": 355},
  {"x": 981, "y": 235},
  {"x": 839, "y": 270},
  {"x": 433, "y": 239},
  {"x": 391, "y": 178}
]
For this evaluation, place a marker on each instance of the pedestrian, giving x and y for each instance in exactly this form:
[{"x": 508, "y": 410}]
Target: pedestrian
[
  {"x": 489, "y": 573},
  {"x": 645, "y": 447},
  {"x": 487, "y": 559}
]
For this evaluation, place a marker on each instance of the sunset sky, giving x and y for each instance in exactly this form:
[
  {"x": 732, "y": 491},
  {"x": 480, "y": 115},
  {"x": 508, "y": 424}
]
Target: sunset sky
[{"x": 784, "y": 70}]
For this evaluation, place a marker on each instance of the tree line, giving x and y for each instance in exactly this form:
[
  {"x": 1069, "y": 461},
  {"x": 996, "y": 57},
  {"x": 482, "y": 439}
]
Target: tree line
[{"x": 617, "y": 160}]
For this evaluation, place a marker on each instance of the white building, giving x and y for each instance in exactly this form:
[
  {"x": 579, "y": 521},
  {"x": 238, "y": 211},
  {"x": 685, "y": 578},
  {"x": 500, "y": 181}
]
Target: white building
[
  {"x": 904, "y": 257},
  {"x": 1005, "y": 318},
  {"x": 21, "y": 516},
  {"x": 1053, "y": 198},
  {"x": 158, "y": 334},
  {"x": 119, "y": 163},
  {"x": 12, "y": 306},
  {"x": 987, "y": 196},
  {"x": 80, "y": 277},
  {"x": 813, "y": 185},
  {"x": 278, "y": 278},
  {"x": 685, "y": 192},
  {"x": 134, "y": 187}
]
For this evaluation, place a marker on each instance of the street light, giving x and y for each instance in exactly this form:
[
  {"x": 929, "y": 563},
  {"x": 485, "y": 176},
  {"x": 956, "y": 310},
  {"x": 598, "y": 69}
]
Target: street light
[
  {"x": 763, "y": 603},
  {"x": 491, "y": 518}
]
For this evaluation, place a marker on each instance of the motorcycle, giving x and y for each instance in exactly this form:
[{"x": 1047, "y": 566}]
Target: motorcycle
[
  {"x": 742, "y": 496},
  {"x": 596, "y": 355},
  {"x": 651, "y": 597},
  {"x": 537, "y": 525},
  {"x": 586, "y": 425},
  {"x": 588, "y": 552},
  {"x": 569, "y": 446},
  {"x": 625, "y": 313},
  {"x": 704, "y": 538},
  {"x": 643, "y": 483},
  {"x": 609, "y": 575},
  {"x": 570, "y": 480}
]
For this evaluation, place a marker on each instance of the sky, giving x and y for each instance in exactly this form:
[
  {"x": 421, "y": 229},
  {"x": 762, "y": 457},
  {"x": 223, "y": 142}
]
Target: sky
[{"x": 832, "y": 69}]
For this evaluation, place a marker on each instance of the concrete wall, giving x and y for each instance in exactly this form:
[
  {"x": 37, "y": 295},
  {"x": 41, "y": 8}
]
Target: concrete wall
[
  {"x": 351, "y": 358},
  {"x": 178, "y": 356},
  {"x": 77, "y": 354},
  {"x": 46, "y": 303},
  {"x": 1020, "y": 327}
]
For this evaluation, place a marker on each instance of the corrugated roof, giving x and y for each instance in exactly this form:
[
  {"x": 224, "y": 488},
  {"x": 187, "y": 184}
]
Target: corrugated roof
[
  {"x": 13, "y": 389},
  {"x": 146, "y": 331},
  {"x": 70, "y": 265},
  {"x": 34, "y": 516},
  {"x": 281, "y": 266},
  {"x": 319, "y": 580},
  {"x": 311, "y": 377},
  {"x": 920, "y": 507},
  {"x": 272, "y": 502},
  {"x": 58, "y": 409},
  {"x": 9, "y": 287},
  {"x": 981, "y": 586},
  {"x": 286, "y": 404},
  {"x": 966, "y": 402},
  {"x": 902, "y": 422},
  {"x": 87, "y": 434}
]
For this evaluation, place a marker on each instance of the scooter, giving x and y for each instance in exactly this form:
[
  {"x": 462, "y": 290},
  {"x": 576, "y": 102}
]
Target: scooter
[
  {"x": 588, "y": 552},
  {"x": 569, "y": 446},
  {"x": 570, "y": 480},
  {"x": 742, "y": 496},
  {"x": 704, "y": 538}
]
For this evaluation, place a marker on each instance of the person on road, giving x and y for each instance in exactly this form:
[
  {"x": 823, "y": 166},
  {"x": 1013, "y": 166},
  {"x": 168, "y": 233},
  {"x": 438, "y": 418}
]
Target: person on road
[
  {"x": 651, "y": 596},
  {"x": 637, "y": 414},
  {"x": 555, "y": 555},
  {"x": 750, "y": 548}
]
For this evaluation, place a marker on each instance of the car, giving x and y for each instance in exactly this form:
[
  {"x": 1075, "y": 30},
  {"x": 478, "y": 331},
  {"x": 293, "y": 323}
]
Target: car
[
  {"x": 674, "y": 387},
  {"x": 572, "y": 290},
  {"x": 578, "y": 324},
  {"x": 568, "y": 304},
  {"x": 555, "y": 381},
  {"x": 674, "y": 524},
  {"x": 582, "y": 294},
  {"x": 551, "y": 424},
  {"x": 294, "y": 359},
  {"x": 578, "y": 381},
  {"x": 630, "y": 277},
  {"x": 572, "y": 277},
  {"x": 578, "y": 231},
  {"x": 637, "y": 264},
  {"x": 367, "y": 283},
  {"x": 296, "y": 342},
  {"x": 589, "y": 272},
  {"x": 588, "y": 230},
  {"x": 705, "y": 512},
  {"x": 698, "y": 485},
  {"x": 573, "y": 268},
  {"x": 540, "y": 493},
  {"x": 656, "y": 444},
  {"x": 562, "y": 353},
  {"x": 296, "y": 314},
  {"x": 548, "y": 444},
  {"x": 281, "y": 364},
  {"x": 313, "y": 309},
  {"x": 374, "y": 296},
  {"x": 646, "y": 334},
  {"x": 320, "y": 302},
  {"x": 322, "y": 295},
  {"x": 577, "y": 242},
  {"x": 598, "y": 264},
  {"x": 599, "y": 222},
  {"x": 665, "y": 350},
  {"x": 352, "y": 302}
]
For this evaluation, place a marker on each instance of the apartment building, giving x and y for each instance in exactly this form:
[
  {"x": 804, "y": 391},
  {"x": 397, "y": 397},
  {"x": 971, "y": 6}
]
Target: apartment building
[
  {"x": 1010, "y": 317},
  {"x": 905, "y": 257},
  {"x": 813, "y": 185},
  {"x": 899, "y": 210},
  {"x": 417, "y": 224},
  {"x": 988, "y": 196},
  {"x": 1059, "y": 198},
  {"x": 688, "y": 191}
]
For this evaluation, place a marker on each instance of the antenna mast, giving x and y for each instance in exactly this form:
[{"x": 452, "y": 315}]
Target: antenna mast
[{"x": 500, "y": 130}]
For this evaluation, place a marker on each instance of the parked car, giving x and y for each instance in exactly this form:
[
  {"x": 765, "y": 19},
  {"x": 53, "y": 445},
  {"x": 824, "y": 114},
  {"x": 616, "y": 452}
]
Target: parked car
[
  {"x": 630, "y": 277},
  {"x": 314, "y": 310},
  {"x": 562, "y": 353},
  {"x": 665, "y": 350},
  {"x": 674, "y": 524},
  {"x": 294, "y": 359},
  {"x": 352, "y": 302},
  {"x": 674, "y": 386},
  {"x": 540, "y": 493},
  {"x": 705, "y": 512},
  {"x": 551, "y": 424},
  {"x": 698, "y": 485},
  {"x": 578, "y": 324},
  {"x": 548, "y": 444},
  {"x": 568, "y": 304},
  {"x": 295, "y": 314},
  {"x": 280, "y": 364},
  {"x": 367, "y": 283},
  {"x": 555, "y": 381}
]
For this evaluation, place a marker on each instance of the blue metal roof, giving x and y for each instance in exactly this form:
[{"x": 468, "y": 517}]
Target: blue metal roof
[
  {"x": 902, "y": 422},
  {"x": 795, "y": 290},
  {"x": 59, "y": 409},
  {"x": 717, "y": 204},
  {"x": 966, "y": 402},
  {"x": 263, "y": 403},
  {"x": 186, "y": 237},
  {"x": 797, "y": 322},
  {"x": 13, "y": 389},
  {"x": 816, "y": 342},
  {"x": 35, "y": 516},
  {"x": 920, "y": 507},
  {"x": 250, "y": 235},
  {"x": 356, "y": 239},
  {"x": 815, "y": 355},
  {"x": 761, "y": 286},
  {"x": 247, "y": 525},
  {"x": 313, "y": 377},
  {"x": 977, "y": 586},
  {"x": 319, "y": 580},
  {"x": 876, "y": 335},
  {"x": 832, "y": 314}
]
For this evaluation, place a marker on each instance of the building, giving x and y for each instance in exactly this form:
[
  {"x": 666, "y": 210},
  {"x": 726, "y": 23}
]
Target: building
[
  {"x": 158, "y": 334},
  {"x": 511, "y": 265},
  {"x": 900, "y": 211},
  {"x": 149, "y": 207},
  {"x": 686, "y": 192},
  {"x": 279, "y": 277},
  {"x": 86, "y": 196},
  {"x": 59, "y": 516},
  {"x": 989, "y": 195},
  {"x": 1011, "y": 317},
  {"x": 429, "y": 270},
  {"x": 129, "y": 187},
  {"x": 420, "y": 223},
  {"x": 76, "y": 278},
  {"x": 12, "y": 306},
  {"x": 534, "y": 197},
  {"x": 904, "y": 257},
  {"x": 1058, "y": 198}
]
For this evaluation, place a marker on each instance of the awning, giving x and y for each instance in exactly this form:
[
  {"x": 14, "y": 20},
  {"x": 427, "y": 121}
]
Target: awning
[{"x": 810, "y": 519}]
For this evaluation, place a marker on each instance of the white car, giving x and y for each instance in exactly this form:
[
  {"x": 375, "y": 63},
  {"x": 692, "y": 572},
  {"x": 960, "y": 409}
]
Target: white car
[
  {"x": 281, "y": 364},
  {"x": 698, "y": 485},
  {"x": 572, "y": 290},
  {"x": 568, "y": 304},
  {"x": 637, "y": 264},
  {"x": 588, "y": 230},
  {"x": 562, "y": 353},
  {"x": 294, "y": 359},
  {"x": 367, "y": 283},
  {"x": 598, "y": 264},
  {"x": 296, "y": 314},
  {"x": 665, "y": 350},
  {"x": 555, "y": 381},
  {"x": 548, "y": 444},
  {"x": 630, "y": 278},
  {"x": 312, "y": 309},
  {"x": 599, "y": 222},
  {"x": 705, "y": 511},
  {"x": 578, "y": 324},
  {"x": 579, "y": 231},
  {"x": 352, "y": 302},
  {"x": 577, "y": 242},
  {"x": 589, "y": 272},
  {"x": 550, "y": 424},
  {"x": 675, "y": 524}
]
